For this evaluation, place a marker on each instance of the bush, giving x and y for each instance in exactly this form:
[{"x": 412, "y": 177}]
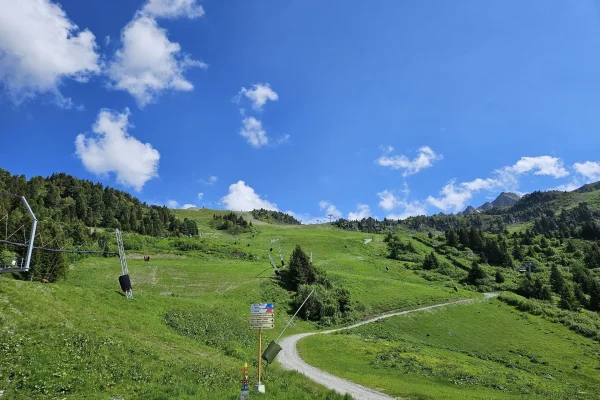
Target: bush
[
  {"x": 328, "y": 306},
  {"x": 7, "y": 257}
]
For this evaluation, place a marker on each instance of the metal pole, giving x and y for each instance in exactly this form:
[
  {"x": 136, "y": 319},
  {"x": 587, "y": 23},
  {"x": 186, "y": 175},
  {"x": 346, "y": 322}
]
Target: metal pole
[
  {"x": 32, "y": 237},
  {"x": 259, "y": 353},
  {"x": 294, "y": 316}
]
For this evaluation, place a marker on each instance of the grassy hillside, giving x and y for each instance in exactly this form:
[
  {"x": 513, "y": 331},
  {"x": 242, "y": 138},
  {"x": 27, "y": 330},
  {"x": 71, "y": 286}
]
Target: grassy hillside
[
  {"x": 486, "y": 350},
  {"x": 185, "y": 335}
]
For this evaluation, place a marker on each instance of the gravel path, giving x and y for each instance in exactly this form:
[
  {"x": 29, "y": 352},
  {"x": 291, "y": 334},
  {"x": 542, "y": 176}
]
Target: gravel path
[{"x": 290, "y": 359}]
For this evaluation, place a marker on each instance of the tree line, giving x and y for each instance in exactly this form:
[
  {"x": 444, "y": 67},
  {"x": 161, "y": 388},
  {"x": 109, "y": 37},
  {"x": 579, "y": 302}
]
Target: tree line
[
  {"x": 75, "y": 212},
  {"x": 274, "y": 216}
]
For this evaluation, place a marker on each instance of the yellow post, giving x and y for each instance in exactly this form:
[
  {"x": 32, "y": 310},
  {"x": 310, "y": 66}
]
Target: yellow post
[{"x": 259, "y": 352}]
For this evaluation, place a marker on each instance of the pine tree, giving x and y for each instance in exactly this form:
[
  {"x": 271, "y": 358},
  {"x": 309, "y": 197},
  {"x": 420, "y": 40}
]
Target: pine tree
[
  {"x": 567, "y": 299},
  {"x": 431, "y": 262},
  {"x": 594, "y": 304},
  {"x": 452, "y": 238},
  {"x": 300, "y": 271},
  {"x": 499, "y": 277},
  {"x": 557, "y": 282},
  {"x": 580, "y": 296},
  {"x": 476, "y": 276}
]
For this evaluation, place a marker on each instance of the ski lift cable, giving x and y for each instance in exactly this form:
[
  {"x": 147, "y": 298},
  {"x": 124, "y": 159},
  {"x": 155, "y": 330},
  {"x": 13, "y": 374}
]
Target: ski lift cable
[{"x": 59, "y": 250}]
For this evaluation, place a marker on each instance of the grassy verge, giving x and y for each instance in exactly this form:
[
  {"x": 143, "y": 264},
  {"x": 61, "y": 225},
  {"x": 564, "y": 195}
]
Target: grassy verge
[{"x": 484, "y": 350}]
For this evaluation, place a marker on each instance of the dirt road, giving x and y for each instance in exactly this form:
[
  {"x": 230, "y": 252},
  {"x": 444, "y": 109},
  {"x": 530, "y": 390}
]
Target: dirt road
[{"x": 290, "y": 359}]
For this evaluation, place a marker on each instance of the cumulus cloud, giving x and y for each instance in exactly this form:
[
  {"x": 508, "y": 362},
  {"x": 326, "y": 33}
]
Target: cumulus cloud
[
  {"x": 455, "y": 197},
  {"x": 452, "y": 198},
  {"x": 172, "y": 204},
  {"x": 259, "y": 94},
  {"x": 362, "y": 211},
  {"x": 186, "y": 206},
  {"x": 481, "y": 184},
  {"x": 542, "y": 165},
  {"x": 148, "y": 63},
  {"x": 254, "y": 132},
  {"x": 589, "y": 170},
  {"x": 586, "y": 172},
  {"x": 40, "y": 47},
  {"x": 389, "y": 201},
  {"x": 424, "y": 159},
  {"x": 569, "y": 186},
  {"x": 200, "y": 196},
  {"x": 329, "y": 209},
  {"x": 173, "y": 9},
  {"x": 114, "y": 150},
  {"x": 411, "y": 209},
  {"x": 242, "y": 197}
]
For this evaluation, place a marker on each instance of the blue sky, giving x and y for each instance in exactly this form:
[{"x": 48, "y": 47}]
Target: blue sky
[{"x": 386, "y": 108}]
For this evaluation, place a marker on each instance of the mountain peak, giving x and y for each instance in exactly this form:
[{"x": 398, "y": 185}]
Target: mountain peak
[
  {"x": 505, "y": 199},
  {"x": 485, "y": 206}
]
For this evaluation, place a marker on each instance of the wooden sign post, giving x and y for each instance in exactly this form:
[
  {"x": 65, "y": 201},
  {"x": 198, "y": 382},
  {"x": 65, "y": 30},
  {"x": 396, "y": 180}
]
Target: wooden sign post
[{"x": 262, "y": 316}]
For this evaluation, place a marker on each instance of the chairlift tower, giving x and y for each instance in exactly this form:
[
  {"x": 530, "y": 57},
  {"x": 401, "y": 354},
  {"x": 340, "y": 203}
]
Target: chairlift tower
[
  {"x": 34, "y": 222},
  {"x": 124, "y": 269},
  {"x": 330, "y": 215}
]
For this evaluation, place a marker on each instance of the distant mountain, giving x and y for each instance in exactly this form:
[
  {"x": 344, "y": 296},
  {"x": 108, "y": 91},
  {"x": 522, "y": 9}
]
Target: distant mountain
[
  {"x": 485, "y": 206},
  {"x": 506, "y": 200},
  {"x": 469, "y": 211},
  {"x": 590, "y": 187}
]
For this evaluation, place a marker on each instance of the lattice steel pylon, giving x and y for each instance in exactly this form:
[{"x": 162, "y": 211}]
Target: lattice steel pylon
[{"x": 124, "y": 269}]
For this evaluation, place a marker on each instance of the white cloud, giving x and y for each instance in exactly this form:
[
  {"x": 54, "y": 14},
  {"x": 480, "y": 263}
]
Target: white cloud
[
  {"x": 589, "y": 170},
  {"x": 568, "y": 187},
  {"x": 424, "y": 159},
  {"x": 40, "y": 47},
  {"x": 411, "y": 209},
  {"x": 242, "y": 197},
  {"x": 200, "y": 196},
  {"x": 148, "y": 63},
  {"x": 186, "y": 206},
  {"x": 453, "y": 198},
  {"x": 542, "y": 165},
  {"x": 362, "y": 211},
  {"x": 106, "y": 40},
  {"x": 254, "y": 133},
  {"x": 173, "y": 9},
  {"x": 330, "y": 209},
  {"x": 259, "y": 94},
  {"x": 388, "y": 200},
  {"x": 210, "y": 181},
  {"x": 114, "y": 150},
  {"x": 284, "y": 139},
  {"x": 172, "y": 204},
  {"x": 481, "y": 184}
]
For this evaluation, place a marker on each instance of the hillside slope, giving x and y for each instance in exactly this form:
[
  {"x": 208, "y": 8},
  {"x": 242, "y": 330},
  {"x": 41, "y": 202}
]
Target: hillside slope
[{"x": 185, "y": 335}]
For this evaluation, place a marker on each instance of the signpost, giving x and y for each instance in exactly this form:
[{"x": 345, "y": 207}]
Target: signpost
[
  {"x": 245, "y": 393},
  {"x": 262, "y": 316}
]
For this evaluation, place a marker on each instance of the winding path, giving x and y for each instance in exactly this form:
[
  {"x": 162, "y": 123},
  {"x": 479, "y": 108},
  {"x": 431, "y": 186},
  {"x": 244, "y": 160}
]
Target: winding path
[{"x": 290, "y": 359}]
